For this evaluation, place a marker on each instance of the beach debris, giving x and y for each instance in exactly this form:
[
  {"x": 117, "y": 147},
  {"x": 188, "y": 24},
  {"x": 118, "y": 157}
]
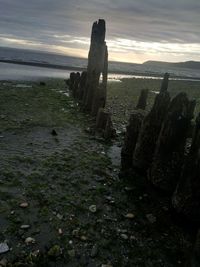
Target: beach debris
[
  {"x": 25, "y": 226},
  {"x": 4, "y": 247},
  {"x": 24, "y": 205},
  {"x": 93, "y": 208}
]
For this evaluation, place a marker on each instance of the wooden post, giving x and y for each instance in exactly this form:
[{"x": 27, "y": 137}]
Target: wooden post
[
  {"x": 142, "y": 101},
  {"x": 169, "y": 153},
  {"x": 165, "y": 81},
  {"x": 149, "y": 132},
  {"x": 94, "y": 96},
  {"x": 186, "y": 199}
]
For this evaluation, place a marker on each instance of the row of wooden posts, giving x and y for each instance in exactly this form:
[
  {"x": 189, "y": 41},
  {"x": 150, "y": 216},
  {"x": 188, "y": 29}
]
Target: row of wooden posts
[
  {"x": 90, "y": 87},
  {"x": 155, "y": 144}
]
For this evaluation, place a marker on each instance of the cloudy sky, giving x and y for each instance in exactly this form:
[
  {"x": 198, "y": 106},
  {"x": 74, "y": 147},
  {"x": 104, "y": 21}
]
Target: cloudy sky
[{"x": 137, "y": 30}]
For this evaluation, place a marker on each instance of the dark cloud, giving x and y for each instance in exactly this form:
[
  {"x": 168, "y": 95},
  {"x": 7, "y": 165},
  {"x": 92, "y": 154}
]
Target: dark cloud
[{"x": 43, "y": 21}]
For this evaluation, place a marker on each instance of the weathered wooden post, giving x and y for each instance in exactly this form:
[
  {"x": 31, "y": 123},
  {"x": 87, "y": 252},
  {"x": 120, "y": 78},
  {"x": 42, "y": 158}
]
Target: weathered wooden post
[
  {"x": 82, "y": 84},
  {"x": 186, "y": 199},
  {"x": 95, "y": 95},
  {"x": 169, "y": 153},
  {"x": 150, "y": 129},
  {"x": 131, "y": 137},
  {"x": 142, "y": 101},
  {"x": 165, "y": 81}
]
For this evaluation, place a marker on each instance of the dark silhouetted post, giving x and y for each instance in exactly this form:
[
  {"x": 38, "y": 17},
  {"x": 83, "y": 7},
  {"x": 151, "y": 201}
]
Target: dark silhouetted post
[{"x": 169, "y": 153}]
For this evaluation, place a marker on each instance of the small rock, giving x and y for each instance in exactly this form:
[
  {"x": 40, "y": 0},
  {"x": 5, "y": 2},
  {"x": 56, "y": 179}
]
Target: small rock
[
  {"x": 129, "y": 216},
  {"x": 106, "y": 265},
  {"x": 25, "y": 226},
  {"x": 29, "y": 240},
  {"x": 55, "y": 251},
  {"x": 3, "y": 262},
  {"x": 124, "y": 236},
  {"x": 60, "y": 231},
  {"x": 53, "y": 132},
  {"x": 128, "y": 189},
  {"x": 151, "y": 218},
  {"x": 24, "y": 205},
  {"x": 59, "y": 216},
  {"x": 71, "y": 253},
  {"x": 94, "y": 251},
  {"x": 4, "y": 248},
  {"x": 83, "y": 238},
  {"x": 12, "y": 212},
  {"x": 93, "y": 208}
]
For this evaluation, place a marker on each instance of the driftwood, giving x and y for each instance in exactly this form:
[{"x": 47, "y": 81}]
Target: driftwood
[
  {"x": 169, "y": 153},
  {"x": 150, "y": 129},
  {"x": 186, "y": 199}
]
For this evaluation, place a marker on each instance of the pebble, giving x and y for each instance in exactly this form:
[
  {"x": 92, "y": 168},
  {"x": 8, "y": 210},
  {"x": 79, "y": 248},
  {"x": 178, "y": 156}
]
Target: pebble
[
  {"x": 29, "y": 240},
  {"x": 25, "y": 226},
  {"x": 4, "y": 248},
  {"x": 12, "y": 212},
  {"x": 24, "y": 205},
  {"x": 93, "y": 208},
  {"x": 94, "y": 251},
  {"x": 124, "y": 236},
  {"x": 71, "y": 253},
  {"x": 129, "y": 216},
  {"x": 3, "y": 262},
  {"x": 151, "y": 218},
  {"x": 106, "y": 265},
  {"x": 83, "y": 238},
  {"x": 60, "y": 231},
  {"x": 59, "y": 216}
]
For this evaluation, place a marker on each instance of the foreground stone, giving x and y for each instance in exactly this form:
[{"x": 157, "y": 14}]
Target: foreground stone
[{"x": 169, "y": 154}]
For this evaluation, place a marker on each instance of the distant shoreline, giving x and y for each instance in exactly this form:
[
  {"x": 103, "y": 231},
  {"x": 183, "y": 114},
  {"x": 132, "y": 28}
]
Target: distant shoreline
[{"x": 62, "y": 67}]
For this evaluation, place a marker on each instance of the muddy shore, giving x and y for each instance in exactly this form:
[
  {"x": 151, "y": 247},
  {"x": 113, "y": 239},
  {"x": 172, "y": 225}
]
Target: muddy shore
[{"x": 77, "y": 207}]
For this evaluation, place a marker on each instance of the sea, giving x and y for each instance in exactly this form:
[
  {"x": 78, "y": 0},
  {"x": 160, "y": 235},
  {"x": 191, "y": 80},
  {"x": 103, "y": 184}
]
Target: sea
[{"x": 117, "y": 70}]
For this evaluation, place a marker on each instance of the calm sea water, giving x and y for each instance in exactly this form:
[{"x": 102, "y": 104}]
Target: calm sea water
[{"x": 24, "y": 72}]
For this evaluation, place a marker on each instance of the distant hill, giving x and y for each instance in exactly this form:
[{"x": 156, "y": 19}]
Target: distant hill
[{"x": 186, "y": 64}]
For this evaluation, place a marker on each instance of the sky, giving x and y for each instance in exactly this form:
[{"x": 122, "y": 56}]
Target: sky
[{"x": 136, "y": 30}]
